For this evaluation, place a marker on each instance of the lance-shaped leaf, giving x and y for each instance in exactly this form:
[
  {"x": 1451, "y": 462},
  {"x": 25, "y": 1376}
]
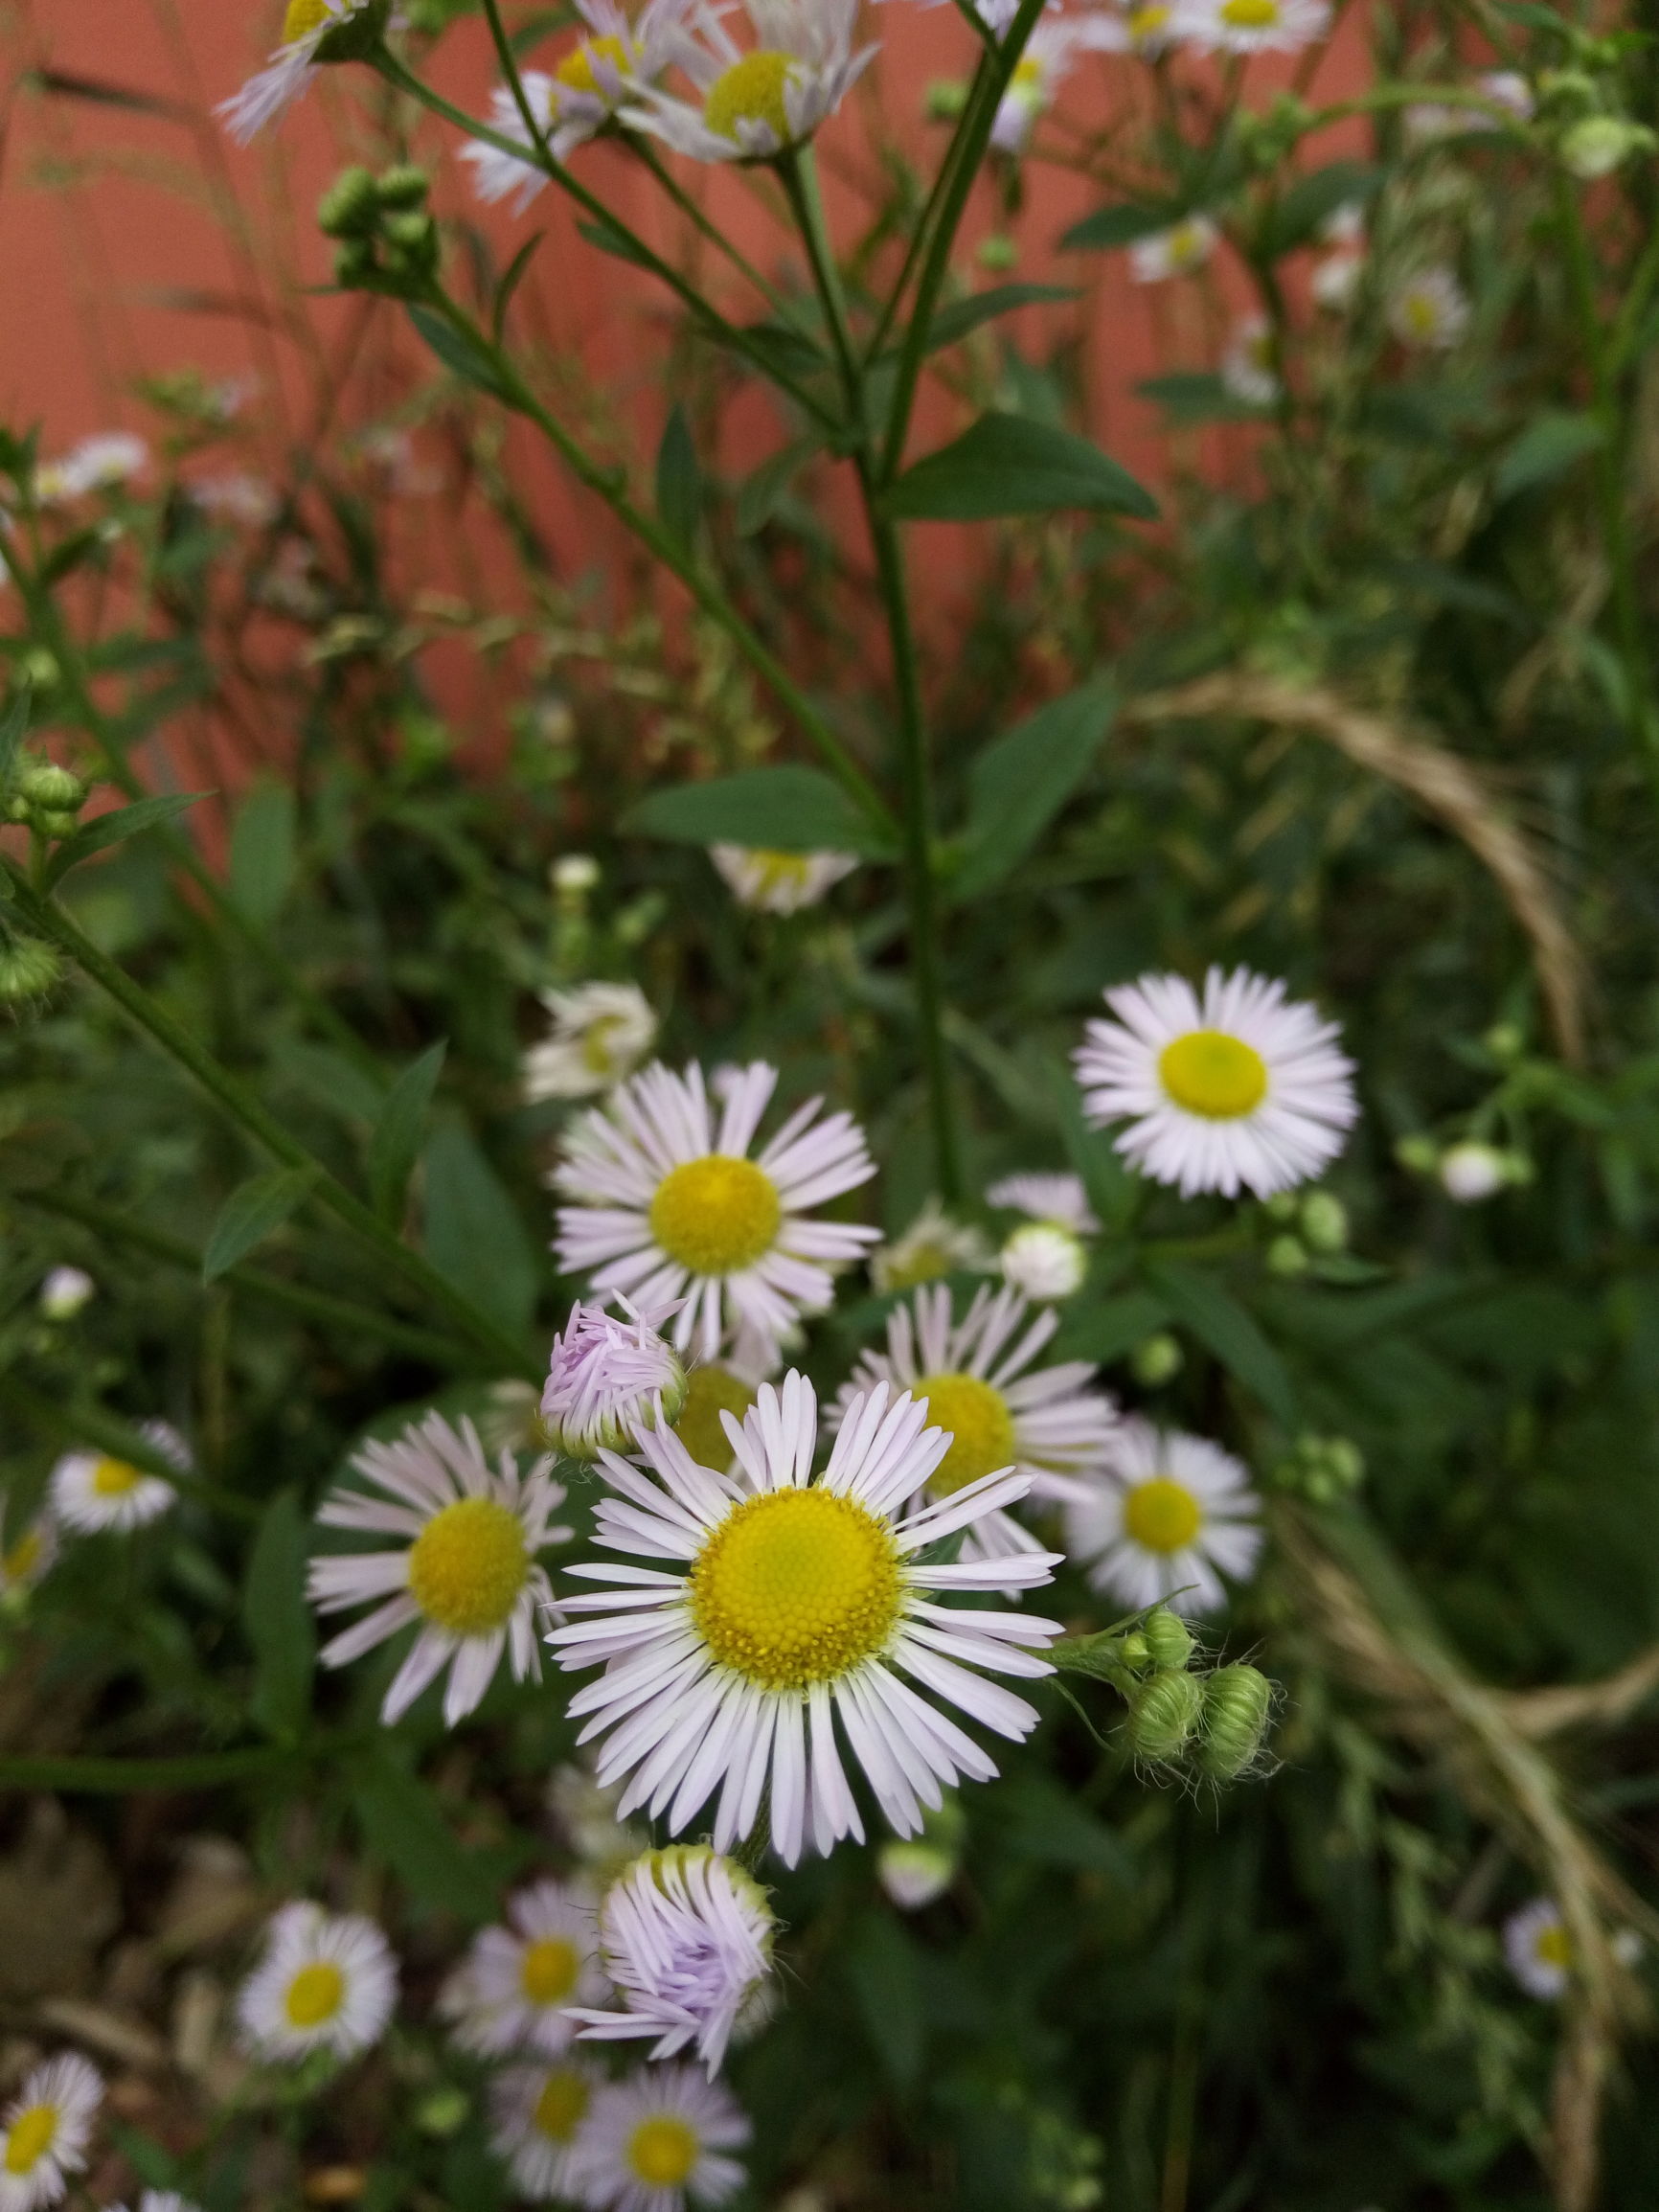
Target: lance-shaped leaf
[
  {"x": 1018, "y": 784},
  {"x": 1007, "y": 465},
  {"x": 790, "y": 810},
  {"x": 250, "y": 1215}
]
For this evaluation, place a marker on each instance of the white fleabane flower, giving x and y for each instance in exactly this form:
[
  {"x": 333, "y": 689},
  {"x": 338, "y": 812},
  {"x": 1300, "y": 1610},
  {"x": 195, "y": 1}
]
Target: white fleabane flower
[
  {"x": 1252, "y": 26},
  {"x": 1037, "y": 76},
  {"x": 607, "y": 1379},
  {"x": 101, "y": 463},
  {"x": 1247, "y": 365},
  {"x": 978, "y": 1381},
  {"x": 65, "y": 1291},
  {"x": 1538, "y": 1948},
  {"x": 465, "y": 1565},
  {"x": 1175, "y": 252},
  {"x": 510, "y": 1992},
  {"x": 601, "y": 1033},
  {"x": 1469, "y": 1173},
  {"x": 657, "y": 2141},
  {"x": 1047, "y": 1258},
  {"x": 668, "y": 1204},
  {"x": 1335, "y": 281},
  {"x": 1233, "y": 1088},
  {"x": 28, "y": 1557},
  {"x": 1047, "y": 1197},
  {"x": 45, "y": 2130},
  {"x": 537, "y": 2117},
  {"x": 774, "y": 882},
  {"x": 1174, "y": 1511},
  {"x": 327, "y": 1981},
  {"x": 788, "y": 1604},
  {"x": 686, "y": 1936},
  {"x": 754, "y": 103},
  {"x": 1148, "y": 29},
  {"x": 162, "y": 2201},
  {"x": 314, "y": 32},
  {"x": 93, "y": 1490},
  {"x": 933, "y": 1246},
  {"x": 1429, "y": 311}
]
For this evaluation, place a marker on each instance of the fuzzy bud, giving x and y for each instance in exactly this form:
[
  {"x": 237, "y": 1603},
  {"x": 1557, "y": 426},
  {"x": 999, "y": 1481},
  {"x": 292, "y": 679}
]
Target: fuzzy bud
[
  {"x": 1043, "y": 1261},
  {"x": 1281, "y": 1206},
  {"x": 46, "y": 785},
  {"x": 608, "y": 1380},
  {"x": 53, "y": 821},
  {"x": 1324, "y": 1222},
  {"x": 1156, "y": 1360},
  {"x": 1237, "y": 1701},
  {"x": 1419, "y": 1155},
  {"x": 1170, "y": 1642},
  {"x": 413, "y": 232},
  {"x": 404, "y": 188},
  {"x": 351, "y": 207},
  {"x": 1598, "y": 145},
  {"x": 1505, "y": 1041},
  {"x": 1164, "y": 1716},
  {"x": 353, "y": 263},
  {"x": 28, "y": 969},
  {"x": 1133, "y": 1651},
  {"x": 997, "y": 253}
]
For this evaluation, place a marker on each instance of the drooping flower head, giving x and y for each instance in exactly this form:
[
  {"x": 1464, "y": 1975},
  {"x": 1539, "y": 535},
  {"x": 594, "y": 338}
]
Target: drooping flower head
[
  {"x": 538, "y": 2118},
  {"x": 786, "y": 1605},
  {"x": 657, "y": 2141},
  {"x": 1429, "y": 311},
  {"x": 933, "y": 1246},
  {"x": 1047, "y": 1257},
  {"x": 1176, "y": 1513},
  {"x": 93, "y": 1490},
  {"x": 686, "y": 1936},
  {"x": 1235, "y": 1087},
  {"x": 607, "y": 1379},
  {"x": 327, "y": 1981},
  {"x": 1252, "y": 26},
  {"x": 774, "y": 882},
  {"x": 314, "y": 32},
  {"x": 601, "y": 1033},
  {"x": 1175, "y": 252},
  {"x": 755, "y": 103},
  {"x": 510, "y": 1992},
  {"x": 1037, "y": 76},
  {"x": 464, "y": 1566},
  {"x": 668, "y": 1203},
  {"x": 45, "y": 2130},
  {"x": 1145, "y": 27}
]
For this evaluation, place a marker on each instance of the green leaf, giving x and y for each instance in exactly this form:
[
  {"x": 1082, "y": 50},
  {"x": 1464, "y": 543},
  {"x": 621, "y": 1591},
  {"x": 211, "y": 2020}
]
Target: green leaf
[
  {"x": 1018, "y": 784},
  {"x": 1224, "y": 1327},
  {"x": 1006, "y": 465},
  {"x": 784, "y": 349},
  {"x": 395, "y": 1141},
  {"x": 516, "y": 269},
  {"x": 278, "y": 1619},
  {"x": 1198, "y": 397},
  {"x": 611, "y": 238},
  {"x": 952, "y": 324},
  {"x": 1120, "y": 225},
  {"x": 679, "y": 480},
  {"x": 1312, "y": 198},
  {"x": 761, "y": 492},
  {"x": 402, "y": 1826},
  {"x": 1546, "y": 448},
  {"x": 111, "y": 828},
  {"x": 250, "y": 1214},
  {"x": 473, "y": 1231},
  {"x": 263, "y": 852},
  {"x": 459, "y": 351},
  {"x": 791, "y": 809},
  {"x": 886, "y": 1979},
  {"x": 1105, "y": 1330}
]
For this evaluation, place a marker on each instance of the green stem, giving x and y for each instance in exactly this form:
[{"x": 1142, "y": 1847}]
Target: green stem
[
  {"x": 648, "y": 154},
  {"x": 930, "y": 208},
  {"x": 799, "y": 174}
]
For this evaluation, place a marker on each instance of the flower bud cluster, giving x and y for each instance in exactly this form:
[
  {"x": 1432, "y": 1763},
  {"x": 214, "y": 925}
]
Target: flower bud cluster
[
  {"x": 1208, "y": 1723},
  {"x": 1313, "y": 1227},
  {"x": 1321, "y": 1468},
  {"x": 46, "y": 797},
  {"x": 388, "y": 238}
]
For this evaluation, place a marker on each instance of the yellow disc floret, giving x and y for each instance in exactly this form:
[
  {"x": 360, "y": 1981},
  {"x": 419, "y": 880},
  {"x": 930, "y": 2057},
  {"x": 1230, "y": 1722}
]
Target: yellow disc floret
[
  {"x": 716, "y": 1215},
  {"x": 562, "y": 2107},
  {"x": 1147, "y": 22},
  {"x": 1214, "y": 1075},
  {"x": 314, "y": 1995},
  {"x": 469, "y": 1566},
  {"x": 751, "y": 91},
  {"x": 549, "y": 1970},
  {"x": 114, "y": 1478},
  {"x": 980, "y": 1426},
  {"x": 577, "y": 70},
  {"x": 796, "y": 1587},
  {"x": 662, "y": 2152},
  {"x": 1162, "y": 1516},
  {"x": 18, "y": 1564},
  {"x": 305, "y": 16},
  {"x": 1554, "y": 1947},
  {"x": 29, "y": 2136},
  {"x": 1250, "y": 14},
  {"x": 710, "y": 1392}
]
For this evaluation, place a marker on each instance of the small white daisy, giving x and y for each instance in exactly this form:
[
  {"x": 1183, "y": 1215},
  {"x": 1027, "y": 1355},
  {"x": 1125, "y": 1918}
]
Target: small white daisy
[
  {"x": 1429, "y": 311},
  {"x": 933, "y": 1246},
  {"x": 1538, "y": 1948},
  {"x": 1252, "y": 26},
  {"x": 601, "y": 1033},
  {"x": 93, "y": 1490},
  {"x": 657, "y": 2141},
  {"x": 976, "y": 1377},
  {"x": 607, "y": 1379},
  {"x": 1335, "y": 279},
  {"x": 1174, "y": 1511},
  {"x": 1037, "y": 76},
  {"x": 327, "y": 1981},
  {"x": 789, "y": 1604},
  {"x": 1470, "y": 1171},
  {"x": 314, "y": 32},
  {"x": 686, "y": 1936},
  {"x": 1175, "y": 252},
  {"x": 1046, "y": 1258},
  {"x": 754, "y": 103},
  {"x": 1234, "y": 1089},
  {"x": 45, "y": 2130},
  {"x": 774, "y": 882},
  {"x": 510, "y": 1992},
  {"x": 538, "y": 2116},
  {"x": 1148, "y": 29},
  {"x": 1045, "y": 1197},
  {"x": 668, "y": 1204},
  {"x": 101, "y": 463},
  {"x": 465, "y": 1567},
  {"x": 30, "y": 1554},
  {"x": 65, "y": 1291},
  {"x": 162, "y": 2201},
  {"x": 1247, "y": 365}
]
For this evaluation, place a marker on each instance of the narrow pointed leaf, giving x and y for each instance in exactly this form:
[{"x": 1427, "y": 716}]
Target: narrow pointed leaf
[{"x": 1007, "y": 465}]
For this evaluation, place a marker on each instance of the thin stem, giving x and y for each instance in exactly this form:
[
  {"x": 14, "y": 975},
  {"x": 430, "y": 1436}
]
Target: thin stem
[
  {"x": 930, "y": 207},
  {"x": 83, "y": 1424},
  {"x": 648, "y": 154},
  {"x": 799, "y": 177}
]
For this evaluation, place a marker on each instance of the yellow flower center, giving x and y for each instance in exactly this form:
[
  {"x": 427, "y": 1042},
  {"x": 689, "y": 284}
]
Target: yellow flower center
[
  {"x": 468, "y": 1565},
  {"x": 796, "y": 1587},
  {"x": 1250, "y": 14},
  {"x": 1147, "y": 22},
  {"x": 1028, "y": 73},
  {"x": 979, "y": 1421},
  {"x": 575, "y": 70},
  {"x": 562, "y": 2107},
  {"x": 1186, "y": 244},
  {"x": 716, "y": 1214},
  {"x": 751, "y": 91},
  {"x": 710, "y": 1392},
  {"x": 29, "y": 2136},
  {"x": 1162, "y": 1516},
  {"x": 1422, "y": 316},
  {"x": 303, "y": 16},
  {"x": 662, "y": 2152},
  {"x": 24, "y": 1557},
  {"x": 314, "y": 1995},
  {"x": 1212, "y": 1074},
  {"x": 597, "y": 1056},
  {"x": 1554, "y": 1947},
  {"x": 549, "y": 1970},
  {"x": 114, "y": 1478},
  {"x": 777, "y": 871}
]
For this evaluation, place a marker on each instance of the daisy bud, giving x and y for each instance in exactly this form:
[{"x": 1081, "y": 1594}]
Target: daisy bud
[
  {"x": 607, "y": 1381},
  {"x": 1236, "y": 1703},
  {"x": 1595, "y": 147},
  {"x": 1418, "y": 1154},
  {"x": 1469, "y": 1173},
  {"x": 1288, "y": 1256},
  {"x": 351, "y": 207},
  {"x": 1324, "y": 1222},
  {"x": 404, "y": 188},
  {"x": 914, "y": 1875},
  {"x": 946, "y": 99},
  {"x": 47, "y": 785},
  {"x": 1505, "y": 1041},
  {"x": 28, "y": 969},
  {"x": 1156, "y": 1360},
  {"x": 1044, "y": 1262},
  {"x": 1164, "y": 1716},
  {"x": 55, "y": 822},
  {"x": 1168, "y": 1641}
]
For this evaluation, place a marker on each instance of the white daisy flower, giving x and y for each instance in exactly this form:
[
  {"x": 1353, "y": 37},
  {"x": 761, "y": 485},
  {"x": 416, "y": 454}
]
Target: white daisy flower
[
  {"x": 668, "y": 1204},
  {"x": 1045, "y": 1197},
  {"x": 788, "y": 1604},
  {"x": 1538, "y": 1948},
  {"x": 1252, "y": 26},
  {"x": 314, "y": 32},
  {"x": 932, "y": 1247},
  {"x": 510, "y": 1992},
  {"x": 657, "y": 2141},
  {"x": 1236, "y": 1089},
  {"x": 98, "y": 464},
  {"x": 465, "y": 1565},
  {"x": 977, "y": 1380},
  {"x": 92, "y": 1491},
  {"x": 162, "y": 2201},
  {"x": 601, "y": 1033},
  {"x": 607, "y": 1379},
  {"x": 29, "y": 1557},
  {"x": 1470, "y": 1171},
  {"x": 65, "y": 1291},
  {"x": 1175, "y": 252},
  {"x": 1037, "y": 76},
  {"x": 1174, "y": 1511},
  {"x": 1047, "y": 1258},
  {"x": 1148, "y": 29},
  {"x": 45, "y": 2130},
  {"x": 1335, "y": 279},
  {"x": 686, "y": 1936},
  {"x": 774, "y": 882},
  {"x": 1429, "y": 311},
  {"x": 538, "y": 2116},
  {"x": 1248, "y": 370},
  {"x": 327, "y": 1981},
  {"x": 752, "y": 104}
]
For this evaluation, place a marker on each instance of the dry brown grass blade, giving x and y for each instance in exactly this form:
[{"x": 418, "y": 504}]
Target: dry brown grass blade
[
  {"x": 1603, "y": 1704},
  {"x": 1442, "y": 783}
]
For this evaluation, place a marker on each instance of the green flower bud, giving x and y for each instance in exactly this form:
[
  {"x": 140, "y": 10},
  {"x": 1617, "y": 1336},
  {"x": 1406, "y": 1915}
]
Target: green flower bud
[
  {"x": 412, "y": 231},
  {"x": 1164, "y": 1716},
  {"x": 351, "y": 207},
  {"x": 405, "y": 187},
  {"x": 1419, "y": 1155},
  {"x": 1237, "y": 1701},
  {"x": 1286, "y": 1256},
  {"x": 997, "y": 252},
  {"x": 1504, "y": 1040},
  {"x": 945, "y": 99},
  {"x": 55, "y": 822},
  {"x": 1157, "y": 1360},
  {"x": 1170, "y": 1642},
  {"x": 28, "y": 969},
  {"x": 353, "y": 263},
  {"x": 442, "y": 2113},
  {"x": 44, "y": 783},
  {"x": 1595, "y": 147},
  {"x": 1280, "y": 1206},
  {"x": 1133, "y": 1650},
  {"x": 1324, "y": 1222}
]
